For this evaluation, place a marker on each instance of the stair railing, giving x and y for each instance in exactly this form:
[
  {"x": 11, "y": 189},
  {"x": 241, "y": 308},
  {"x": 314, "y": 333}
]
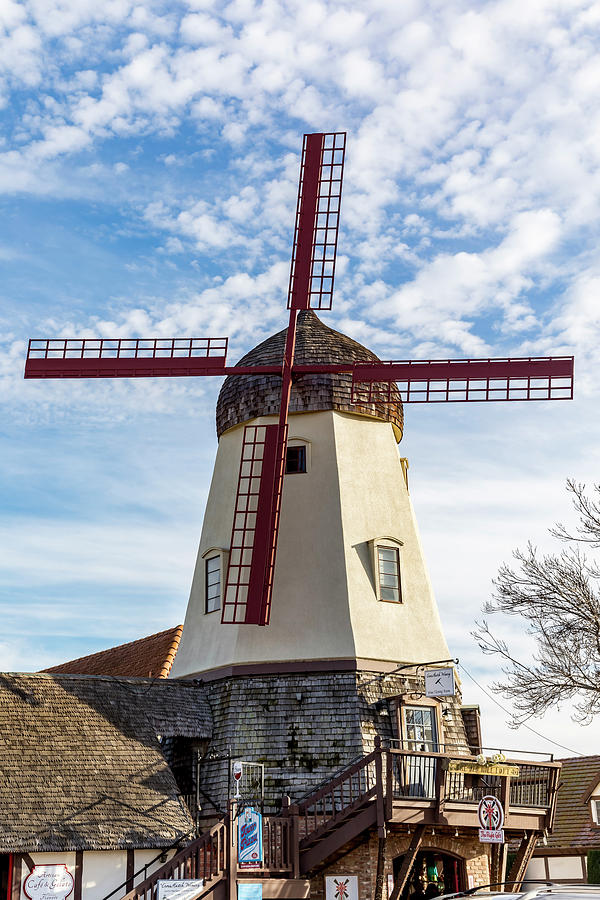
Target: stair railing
[
  {"x": 205, "y": 859},
  {"x": 326, "y": 807}
]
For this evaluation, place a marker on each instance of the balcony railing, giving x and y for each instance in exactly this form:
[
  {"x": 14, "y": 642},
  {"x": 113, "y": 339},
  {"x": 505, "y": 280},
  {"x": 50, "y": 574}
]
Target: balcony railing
[{"x": 427, "y": 776}]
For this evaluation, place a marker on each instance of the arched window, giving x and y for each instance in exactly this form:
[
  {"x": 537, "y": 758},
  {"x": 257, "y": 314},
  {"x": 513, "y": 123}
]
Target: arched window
[{"x": 386, "y": 555}]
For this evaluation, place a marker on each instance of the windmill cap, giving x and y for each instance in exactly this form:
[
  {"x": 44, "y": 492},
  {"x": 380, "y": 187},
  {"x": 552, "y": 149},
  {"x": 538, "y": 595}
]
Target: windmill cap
[{"x": 245, "y": 397}]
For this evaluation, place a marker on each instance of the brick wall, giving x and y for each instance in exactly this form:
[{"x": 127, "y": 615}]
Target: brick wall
[{"x": 362, "y": 860}]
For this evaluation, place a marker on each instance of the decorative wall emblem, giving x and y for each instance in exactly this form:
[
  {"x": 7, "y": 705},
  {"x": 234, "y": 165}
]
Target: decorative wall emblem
[
  {"x": 341, "y": 887},
  {"x": 49, "y": 882}
]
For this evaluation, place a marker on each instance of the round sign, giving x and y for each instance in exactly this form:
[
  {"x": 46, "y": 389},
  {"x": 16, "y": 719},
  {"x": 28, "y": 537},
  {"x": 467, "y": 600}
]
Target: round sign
[
  {"x": 490, "y": 813},
  {"x": 50, "y": 882},
  {"x": 237, "y": 770}
]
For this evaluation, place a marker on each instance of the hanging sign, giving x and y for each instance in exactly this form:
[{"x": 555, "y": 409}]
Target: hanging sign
[
  {"x": 237, "y": 770},
  {"x": 49, "y": 882},
  {"x": 341, "y": 887},
  {"x": 250, "y": 847},
  {"x": 439, "y": 683},
  {"x": 491, "y": 820},
  {"x": 474, "y": 768}
]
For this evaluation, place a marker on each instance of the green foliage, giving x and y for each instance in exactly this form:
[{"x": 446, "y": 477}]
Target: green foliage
[{"x": 593, "y": 866}]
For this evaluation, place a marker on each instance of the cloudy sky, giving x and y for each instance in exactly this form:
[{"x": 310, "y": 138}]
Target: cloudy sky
[{"x": 148, "y": 172}]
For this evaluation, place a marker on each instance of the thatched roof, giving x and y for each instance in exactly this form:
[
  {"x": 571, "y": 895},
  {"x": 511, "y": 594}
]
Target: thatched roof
[{"x": 81, "y": 765}]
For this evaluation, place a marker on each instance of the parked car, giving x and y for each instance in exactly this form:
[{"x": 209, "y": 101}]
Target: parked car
[{"x": 531, "y": 890}]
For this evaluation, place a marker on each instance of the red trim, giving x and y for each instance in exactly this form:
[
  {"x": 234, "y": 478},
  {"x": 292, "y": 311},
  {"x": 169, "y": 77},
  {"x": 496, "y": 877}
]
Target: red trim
[{"x": 9, "y": 884}]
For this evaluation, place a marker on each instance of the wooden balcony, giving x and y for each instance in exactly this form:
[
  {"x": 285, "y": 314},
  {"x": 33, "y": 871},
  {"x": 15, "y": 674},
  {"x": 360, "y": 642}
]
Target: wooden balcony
[
  {"x": 399, "y": 787},
  {"x": 423, "y": 788}
]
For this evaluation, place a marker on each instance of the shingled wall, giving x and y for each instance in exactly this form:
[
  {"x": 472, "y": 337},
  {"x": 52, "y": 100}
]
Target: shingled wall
[
  {"x": 304, "y": 727},
  {"x": 244, "y": 397}
]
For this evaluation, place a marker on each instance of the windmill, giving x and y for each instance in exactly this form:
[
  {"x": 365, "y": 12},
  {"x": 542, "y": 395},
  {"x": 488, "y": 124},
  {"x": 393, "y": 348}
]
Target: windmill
[{"x": 250, "y": 572}]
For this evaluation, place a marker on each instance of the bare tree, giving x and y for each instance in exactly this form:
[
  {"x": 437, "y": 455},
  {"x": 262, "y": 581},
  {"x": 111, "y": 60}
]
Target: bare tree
[{"x": 558, "y": 597}]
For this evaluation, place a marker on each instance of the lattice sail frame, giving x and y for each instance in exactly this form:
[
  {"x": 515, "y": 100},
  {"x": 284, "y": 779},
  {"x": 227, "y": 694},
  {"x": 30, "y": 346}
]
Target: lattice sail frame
[
  {"x": 463, "y": 380},
  {"x": 249, "y": 581},
  {"x": 124, "y": 357},
  {"x": 313, "y": 263}
]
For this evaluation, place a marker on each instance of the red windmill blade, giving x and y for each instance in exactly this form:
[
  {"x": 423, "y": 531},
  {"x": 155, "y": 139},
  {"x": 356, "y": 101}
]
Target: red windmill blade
[
  {"x": 249, "y": 582},
  {"x": 251, "y": 569}
]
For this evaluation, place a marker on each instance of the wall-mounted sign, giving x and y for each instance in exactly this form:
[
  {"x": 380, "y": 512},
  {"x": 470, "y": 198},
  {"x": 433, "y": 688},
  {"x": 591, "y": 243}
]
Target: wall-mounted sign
[
  {"x": 341, "y": 887},
  {"x": 176, "y": 889},
  {"x": 474, "y": 768},
  {"x": 250, "y": 891},
  {"x": 49, "y": 882},
  {"x": 439, "y": 683},
  {"x": 491, "y": 820},
  {"x": 250, "y": 846}
]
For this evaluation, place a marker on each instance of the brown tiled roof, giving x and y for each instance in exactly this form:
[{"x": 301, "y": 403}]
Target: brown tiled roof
[
  {"x": 573, "y": 826},
  {"x": 81, "y": 766},
  {"x": 151, "y": 656},
  {"x": 244, "y": 397}
]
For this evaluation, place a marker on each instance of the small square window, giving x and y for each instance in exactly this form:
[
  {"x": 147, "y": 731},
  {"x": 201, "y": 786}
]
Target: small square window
[
  {"x": 595, "y": 804},
  {"x": 388, "y": 571},
  {"x": 295, "y": 461},
  {"x": 213, "y": 584}
]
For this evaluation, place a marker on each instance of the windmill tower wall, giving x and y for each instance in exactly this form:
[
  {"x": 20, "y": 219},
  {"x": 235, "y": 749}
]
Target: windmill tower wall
[
  {"x": 309, "y": 693},
  {"x": 326, "y": 609}
]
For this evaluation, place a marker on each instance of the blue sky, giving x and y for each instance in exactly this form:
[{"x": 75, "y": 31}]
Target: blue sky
[{"x": 148, "y": 172}]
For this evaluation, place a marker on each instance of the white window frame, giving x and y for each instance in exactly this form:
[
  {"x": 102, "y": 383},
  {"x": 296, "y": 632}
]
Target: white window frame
[
  {"x": 392, "y": 544},
  {"x": 595, "y": 808},
  {"x": 223, "y": 556}
]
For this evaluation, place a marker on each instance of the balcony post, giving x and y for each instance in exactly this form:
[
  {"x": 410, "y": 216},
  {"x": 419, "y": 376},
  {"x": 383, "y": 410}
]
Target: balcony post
[
  {"x": 293, "y": 813},
  {"x": 389, "y": 784},
  {"x": 505, "y": 794},
  {"x": 440, "y": 787},
  {"x": 232, "y": 852}
]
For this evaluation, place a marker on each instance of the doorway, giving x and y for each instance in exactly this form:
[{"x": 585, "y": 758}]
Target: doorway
[
  {"x": 433, "y": 873},
  {"x": 5, "y": 871},
  {"x": 420, "y": 725}
]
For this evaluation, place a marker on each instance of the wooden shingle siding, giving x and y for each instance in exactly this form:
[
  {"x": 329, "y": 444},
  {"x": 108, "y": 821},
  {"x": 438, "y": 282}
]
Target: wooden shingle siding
[{"x": 244, "y": 397}]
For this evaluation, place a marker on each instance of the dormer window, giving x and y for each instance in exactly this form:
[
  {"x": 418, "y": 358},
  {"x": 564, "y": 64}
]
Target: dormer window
[
  {"x": 387, "y": 569},
  {"x": 595, "y": 804},
  {"x": 215, "y": 570}
]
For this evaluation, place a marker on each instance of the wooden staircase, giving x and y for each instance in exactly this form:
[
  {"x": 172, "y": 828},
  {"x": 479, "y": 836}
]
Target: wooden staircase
[
  {"x": 341, "y": 810},
  {"x": 206, "y": 859}
]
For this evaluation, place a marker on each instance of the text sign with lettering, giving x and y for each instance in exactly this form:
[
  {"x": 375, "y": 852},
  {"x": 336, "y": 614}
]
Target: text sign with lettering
[
  {"x": 250, "y": 845},
  {"x": 49, "y": 882},
  {"x": 178, "y": 889}
]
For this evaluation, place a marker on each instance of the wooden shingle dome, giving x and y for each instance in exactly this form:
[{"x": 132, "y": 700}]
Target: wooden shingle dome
[{"x": 244, "y": 397}]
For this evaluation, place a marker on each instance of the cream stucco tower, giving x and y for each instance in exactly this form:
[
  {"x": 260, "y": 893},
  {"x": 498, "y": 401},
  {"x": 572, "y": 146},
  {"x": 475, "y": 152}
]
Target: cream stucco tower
[{"x": 327, "y": 607}]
